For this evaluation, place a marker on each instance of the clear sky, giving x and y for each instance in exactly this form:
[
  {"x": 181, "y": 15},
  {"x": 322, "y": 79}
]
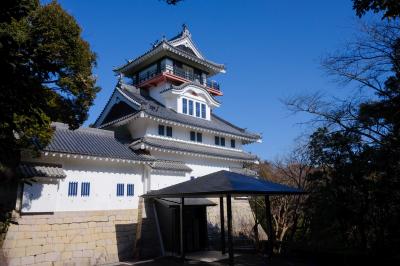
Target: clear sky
[{"x": 271, "y": 50}]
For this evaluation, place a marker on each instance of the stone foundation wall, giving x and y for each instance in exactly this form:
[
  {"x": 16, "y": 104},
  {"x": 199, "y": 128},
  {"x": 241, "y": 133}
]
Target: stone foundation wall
[
  {"x": 71, "y": 238},
  {"x": 242, "y": 223}
]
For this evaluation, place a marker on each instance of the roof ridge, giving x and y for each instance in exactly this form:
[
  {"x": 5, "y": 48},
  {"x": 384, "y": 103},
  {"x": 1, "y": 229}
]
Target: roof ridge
[{"x": 97, "y": 131}]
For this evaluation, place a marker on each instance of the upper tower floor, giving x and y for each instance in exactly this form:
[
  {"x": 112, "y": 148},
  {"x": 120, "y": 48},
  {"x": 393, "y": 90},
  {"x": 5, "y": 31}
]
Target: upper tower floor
[{"x": 175, "y": 61}]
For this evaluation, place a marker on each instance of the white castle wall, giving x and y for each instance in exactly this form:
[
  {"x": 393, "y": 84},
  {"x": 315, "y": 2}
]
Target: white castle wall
[
  {"x": 182, "y": 133},
  {"x": 103, "y": 177}
]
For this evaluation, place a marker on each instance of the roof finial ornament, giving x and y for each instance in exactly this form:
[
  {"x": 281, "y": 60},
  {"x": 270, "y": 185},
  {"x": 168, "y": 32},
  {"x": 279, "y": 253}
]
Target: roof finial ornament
[
  {"x": 163, "y": 39},
  {"x": 120, "y": 79},
  {"x": 185, "y": 30}
]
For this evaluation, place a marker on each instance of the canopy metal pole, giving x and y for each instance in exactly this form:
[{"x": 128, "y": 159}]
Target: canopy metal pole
[
  {"x": 221, "y": 214},
  {"x": 271, "y": 233},
  {"x": 181, "y": 225},
  {"x": 229, "y": 216}
]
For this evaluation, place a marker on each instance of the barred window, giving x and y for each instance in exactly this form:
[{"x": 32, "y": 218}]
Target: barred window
[
  {"x": 130, "y": 190},
  {"x": 85, "y": 189},
  {"x": 120, "y": 190},
  {"x": 72, "y": 189}
]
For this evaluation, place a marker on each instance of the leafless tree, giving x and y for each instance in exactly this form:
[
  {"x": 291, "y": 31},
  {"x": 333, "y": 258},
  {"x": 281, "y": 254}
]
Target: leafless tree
[
  {"x": 365, "y": 64},
  {"x": 286, "y": 210}
]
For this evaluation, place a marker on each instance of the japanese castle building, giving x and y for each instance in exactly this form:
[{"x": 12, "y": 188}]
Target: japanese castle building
[{"x": 157, "y": 129}]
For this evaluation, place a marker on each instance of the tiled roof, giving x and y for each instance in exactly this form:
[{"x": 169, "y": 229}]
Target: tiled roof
[
  {"x": 90, "y": 141},
  {"x": 156, "y": 109},
  {"x": 171, "y": 165},
  {"x": 244, "y": 171},
  {"x": 27, "y": 170},
  {"x": 173, "y": 145}
]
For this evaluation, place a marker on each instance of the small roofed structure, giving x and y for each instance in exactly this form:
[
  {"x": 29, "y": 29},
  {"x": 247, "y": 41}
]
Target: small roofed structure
[{"x": 225, "y": 184}]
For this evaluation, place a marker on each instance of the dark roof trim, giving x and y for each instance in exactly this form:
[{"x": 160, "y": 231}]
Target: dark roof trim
[
  {"x": 164, "y": 45},
  {"x": 209, "y": 151},
  {"x": 29, "y": 170}
]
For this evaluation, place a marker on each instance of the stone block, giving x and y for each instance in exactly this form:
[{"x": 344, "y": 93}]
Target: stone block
[
  {"x": 33, "y": 250},
  {"x": 77, "y": 254},
  {"x": 45, "y": 227},
  {"x": 53, "y": 233},
  {"x": 25, "y": 228},
  {"x": 23, "y": 243},
  {"x": 66, "y": 255},
  {"x": 47, "y": 248},
  {"x": 88, "y": 253},
  {"x": 59, "y": 247},
  {"x": 9, "y": 243},
  {"x": 39, "y": 241},
  {"x": 14, "y": 261},
  {"x": 92, "y": 224},
  {"x": 40, "y": 258},
  {"x": 67, "y": 220},
  {"x": 52, "y": 256},
  {"x": 111, "y": 249},
  {"x": 17, "y": 252},
  {"x": 27, "y": 260}
]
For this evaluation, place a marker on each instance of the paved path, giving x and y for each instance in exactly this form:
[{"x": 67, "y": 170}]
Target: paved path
[{"x": 241, "y": 260}]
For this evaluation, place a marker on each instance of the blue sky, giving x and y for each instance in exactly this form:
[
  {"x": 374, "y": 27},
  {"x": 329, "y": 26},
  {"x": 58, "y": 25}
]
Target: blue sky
[{"x": 271, "y": 50}]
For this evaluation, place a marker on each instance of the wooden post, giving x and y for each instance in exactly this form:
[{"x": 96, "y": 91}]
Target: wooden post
[
  {"x": 271, "y": 233},
  {"x": 256, "y": 237},
  {"x": 229, "y": 216},
  {"x": 181, "y": 225},
  {"x": 221, "y": 214}
]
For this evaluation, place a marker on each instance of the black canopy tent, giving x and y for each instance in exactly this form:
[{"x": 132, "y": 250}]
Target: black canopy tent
[{"x": 224, "y": 184}]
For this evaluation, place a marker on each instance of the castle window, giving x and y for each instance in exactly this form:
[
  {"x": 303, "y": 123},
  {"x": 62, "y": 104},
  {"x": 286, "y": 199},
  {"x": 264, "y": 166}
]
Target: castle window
[
  {"x": 169, "y": 131},
  {"x": 130, "y": 190},
  {"x": 199, "y": 137},
  {"x": 222, "y": 141},
  {"x": 203, "y": 110},
  {"x": 216, "y": 140},
  {"x": 85, "y": 189},
  {"x": 190, "y": 107},
  {"x": 197, "y": 109},
  {"x": 120, "y": 190},
  {"x": 196, "y": 136},
  {"x": 184, "y": 106},
  {"x": 233, "y": 143},
  {"x": 72, "y": 189},
  {"x": 161, "y": 130}
]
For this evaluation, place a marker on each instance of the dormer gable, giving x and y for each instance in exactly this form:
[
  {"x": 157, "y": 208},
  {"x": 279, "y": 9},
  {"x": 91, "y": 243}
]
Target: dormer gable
[
  {"x": 190, "y": 99},
  {"x": 184, "y": 42}
]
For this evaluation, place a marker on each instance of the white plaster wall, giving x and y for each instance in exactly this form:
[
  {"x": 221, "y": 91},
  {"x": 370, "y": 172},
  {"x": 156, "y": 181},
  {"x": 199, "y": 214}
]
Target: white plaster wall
[
  {"x": 181, "y": 133},
  {"x": 167, "y": 178},
  {"x": 103, "y": 177},
  {"x": 200, "y": 166},
  {"x": 39, "y": 197}
]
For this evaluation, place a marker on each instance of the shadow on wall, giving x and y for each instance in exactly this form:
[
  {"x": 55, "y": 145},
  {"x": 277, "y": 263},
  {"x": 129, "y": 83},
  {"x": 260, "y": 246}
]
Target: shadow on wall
[
  {"x": 240, "y": 240},
  {"x": 125, "y": 234},
  {"x": 148, "y": 244}
]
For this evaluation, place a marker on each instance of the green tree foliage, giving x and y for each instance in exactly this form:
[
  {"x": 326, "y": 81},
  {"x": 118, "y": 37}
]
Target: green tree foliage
[
  {"x": 390, "y": 8},
  {"x": 46, "y": 70}
]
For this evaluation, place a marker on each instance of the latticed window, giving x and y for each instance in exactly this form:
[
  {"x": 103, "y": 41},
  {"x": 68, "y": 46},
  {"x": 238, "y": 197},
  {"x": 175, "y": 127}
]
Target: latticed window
[
  {"x": 197, "y": 109},
  {"x": 72, "y": 189},
  {"x": 120, "y": 190},
  {"x": 184, "y": 106},
  {"x": 203, "y": 110},
  {"x": 190, "y": 107},
  {"x": 85, "y": 189},
  {"x": 130, "y": 190}
]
